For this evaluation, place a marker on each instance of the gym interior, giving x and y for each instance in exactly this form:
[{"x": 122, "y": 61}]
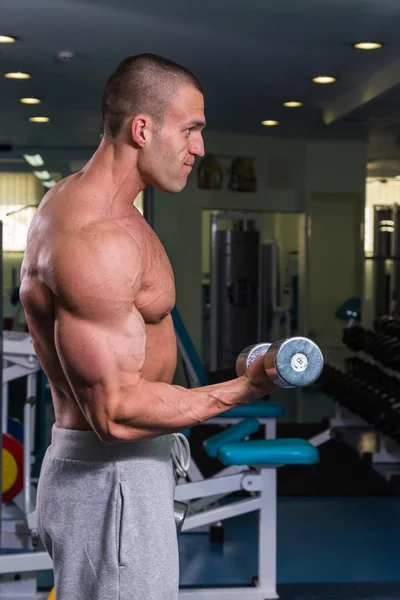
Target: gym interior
[{"x": 288, "y": 227}]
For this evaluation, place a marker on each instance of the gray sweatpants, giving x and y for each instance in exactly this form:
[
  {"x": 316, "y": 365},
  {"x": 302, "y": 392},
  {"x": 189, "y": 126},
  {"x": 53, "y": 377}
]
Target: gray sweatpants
[{"x": 105, "y": 515}]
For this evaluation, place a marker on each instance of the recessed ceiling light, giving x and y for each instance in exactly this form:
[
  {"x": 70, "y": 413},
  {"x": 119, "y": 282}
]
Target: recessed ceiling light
[
  {"x": 324, "y": 79},
  {"x": 42, "y": 175},
  {"x": 7, "y": 39},
  {"x": 17, "y": 75},
  {"x": 269, "y": 123},
  {"x": 30, "y": 100},
  {"x": 49, "y": 184},
  {"x": 39, "y": 119},
  {"x": 292, "y": 104},
  {"x": 35, "y": 160},
  {"x": 368, "y": 45}
]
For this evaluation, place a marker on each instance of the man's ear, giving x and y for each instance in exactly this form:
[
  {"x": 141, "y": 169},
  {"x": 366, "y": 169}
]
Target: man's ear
[{"x": 140, "y": 129}]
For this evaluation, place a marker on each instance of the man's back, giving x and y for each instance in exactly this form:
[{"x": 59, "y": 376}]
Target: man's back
[{"x": 73, "y": 227}]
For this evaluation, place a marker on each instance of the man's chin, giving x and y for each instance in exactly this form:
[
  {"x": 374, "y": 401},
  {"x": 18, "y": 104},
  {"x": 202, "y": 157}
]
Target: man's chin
[{"x": 171, "y": 189}]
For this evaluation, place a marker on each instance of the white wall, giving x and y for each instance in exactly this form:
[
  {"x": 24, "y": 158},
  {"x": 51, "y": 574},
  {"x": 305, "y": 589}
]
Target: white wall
[
  {"x": 336, "y": 173},
  {"x": 336, "y": 167},
  {"x": 331, "y": 167}
]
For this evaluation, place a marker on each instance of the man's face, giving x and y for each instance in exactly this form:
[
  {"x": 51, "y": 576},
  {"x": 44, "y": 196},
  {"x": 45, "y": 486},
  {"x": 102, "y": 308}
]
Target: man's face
[{"x": 173, "y": 147}]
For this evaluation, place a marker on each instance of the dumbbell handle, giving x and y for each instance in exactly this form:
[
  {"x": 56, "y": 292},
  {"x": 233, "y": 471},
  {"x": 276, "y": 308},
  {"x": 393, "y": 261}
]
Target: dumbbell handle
[{"x": 292, "y": 362}]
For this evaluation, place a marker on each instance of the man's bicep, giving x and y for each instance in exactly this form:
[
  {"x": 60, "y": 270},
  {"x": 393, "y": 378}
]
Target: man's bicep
[
  {"x": 80, "y": 348},
  {"x": 100, "y": 361}
]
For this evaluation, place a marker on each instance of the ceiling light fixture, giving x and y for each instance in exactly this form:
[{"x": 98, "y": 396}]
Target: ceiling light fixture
[
  {"x": 292, "y": 104},
  {"x": 42, "y": 175},
  {"x": 17, "y": 75},
  {"x": 7, "y": 39},
  {"x": 39, "y": 119},
  {"x": 368, "y": 45},
  {"x": 49, "y": 184},
  {"x": 30, "y": 100},
  {"x": 269, "y": 123},
  {"x": 324, "y": 79},
  {"x": 35, "y": 160}
]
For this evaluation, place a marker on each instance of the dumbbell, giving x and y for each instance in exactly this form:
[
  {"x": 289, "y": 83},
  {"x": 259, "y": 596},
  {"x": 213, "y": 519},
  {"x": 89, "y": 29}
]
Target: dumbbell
[
  {"x": 354, "y": 337},
  {"x": 388, "y": 324},
  {"x": 292, "y": 362}
]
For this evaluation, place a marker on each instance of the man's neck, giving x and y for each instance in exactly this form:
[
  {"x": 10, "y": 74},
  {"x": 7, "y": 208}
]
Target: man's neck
[{"x": 115, "y": 166}]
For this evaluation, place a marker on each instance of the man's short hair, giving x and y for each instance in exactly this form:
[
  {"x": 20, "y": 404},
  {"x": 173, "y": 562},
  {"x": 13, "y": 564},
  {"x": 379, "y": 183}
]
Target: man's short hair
[{"x": 142, "y": 83}]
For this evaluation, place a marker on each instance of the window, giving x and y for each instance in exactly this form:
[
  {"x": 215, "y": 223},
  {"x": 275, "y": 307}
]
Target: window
[{"x": 20, "y": 193}]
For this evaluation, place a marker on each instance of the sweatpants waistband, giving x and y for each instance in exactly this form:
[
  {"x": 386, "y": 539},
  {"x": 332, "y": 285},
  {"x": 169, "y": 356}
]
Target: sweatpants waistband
[{"x": 86, "y": 446}]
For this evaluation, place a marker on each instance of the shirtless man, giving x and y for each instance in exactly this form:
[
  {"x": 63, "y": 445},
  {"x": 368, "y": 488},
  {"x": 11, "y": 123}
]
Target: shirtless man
[{"x": 98, "y": 289}]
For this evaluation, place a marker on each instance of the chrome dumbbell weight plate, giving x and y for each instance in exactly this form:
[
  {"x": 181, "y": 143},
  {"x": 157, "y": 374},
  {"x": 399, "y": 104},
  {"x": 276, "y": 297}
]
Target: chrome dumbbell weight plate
[
  {"x": 293, "y": 362},
  {"x": 248, "y": 356}
]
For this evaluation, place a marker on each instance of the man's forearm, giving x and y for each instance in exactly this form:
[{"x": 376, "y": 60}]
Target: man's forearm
[{"x": 160, "y": 408}]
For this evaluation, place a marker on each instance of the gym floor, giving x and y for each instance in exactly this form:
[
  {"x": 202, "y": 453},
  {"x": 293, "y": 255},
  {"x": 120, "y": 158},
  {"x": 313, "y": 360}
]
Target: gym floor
[
  {"x": 328, "y": 549},
  {"x": 331, "y": 541}
]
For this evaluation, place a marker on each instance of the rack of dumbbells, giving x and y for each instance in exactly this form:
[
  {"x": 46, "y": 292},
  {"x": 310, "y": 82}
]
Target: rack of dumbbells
[{"x": 369, "y": 384}]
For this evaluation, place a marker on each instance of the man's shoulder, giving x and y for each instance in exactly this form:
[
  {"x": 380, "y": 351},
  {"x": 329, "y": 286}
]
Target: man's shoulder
[
  {"x": 101, "y": 252},
  {"x": 100, "y": 234},
  {"x": 96, "y": 256}
]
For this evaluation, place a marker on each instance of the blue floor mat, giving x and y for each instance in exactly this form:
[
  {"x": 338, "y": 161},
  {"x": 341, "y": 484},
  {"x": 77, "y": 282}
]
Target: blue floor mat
[
  {"x": 332, "y": 540},
  {"x": 376, "y": 591}
]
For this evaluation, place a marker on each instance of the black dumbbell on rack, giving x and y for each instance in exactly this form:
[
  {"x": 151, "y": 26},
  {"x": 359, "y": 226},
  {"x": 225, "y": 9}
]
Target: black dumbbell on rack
[
  {"x": 388, "y": 324},
  {"x": 366, "y": 391},
  {"x": 382, "y": 344}
]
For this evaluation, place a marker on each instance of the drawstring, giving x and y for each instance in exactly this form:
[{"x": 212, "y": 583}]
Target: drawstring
[{"x": 179, "y": 444}]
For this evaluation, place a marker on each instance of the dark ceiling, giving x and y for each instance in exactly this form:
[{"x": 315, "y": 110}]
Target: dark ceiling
[{"x": 251, "y": 56}]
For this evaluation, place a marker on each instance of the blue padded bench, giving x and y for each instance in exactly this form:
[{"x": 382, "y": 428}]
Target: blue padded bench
[
  {"x": 269, "y": 452},
  {"x": 230, "y": 448}
]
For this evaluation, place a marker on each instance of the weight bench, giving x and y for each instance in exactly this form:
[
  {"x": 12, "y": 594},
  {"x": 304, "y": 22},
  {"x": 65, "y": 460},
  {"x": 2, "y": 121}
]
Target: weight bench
[
  {"x": 236, "y": 433},
  {"x": 18, "y": 516},
  {"x": 255, "y": 463}
]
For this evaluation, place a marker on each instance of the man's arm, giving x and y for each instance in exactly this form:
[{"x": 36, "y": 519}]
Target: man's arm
[{"x": 101, "y": 339}]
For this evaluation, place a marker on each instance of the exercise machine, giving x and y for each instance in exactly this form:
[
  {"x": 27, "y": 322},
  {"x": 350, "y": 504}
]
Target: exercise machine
[
  {"x": 21, "y": 554},
  {"x": 245, "y": 299}
]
